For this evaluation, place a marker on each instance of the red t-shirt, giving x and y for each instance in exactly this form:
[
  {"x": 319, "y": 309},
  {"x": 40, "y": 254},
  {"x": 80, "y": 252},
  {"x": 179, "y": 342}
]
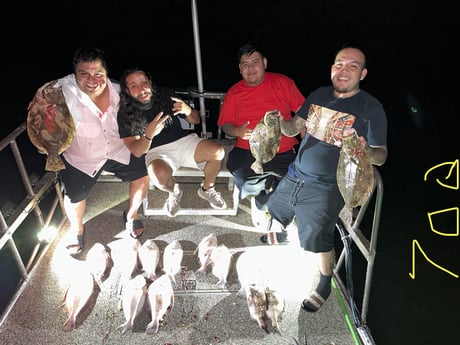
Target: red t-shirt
[{"x": 244, "y": 103}]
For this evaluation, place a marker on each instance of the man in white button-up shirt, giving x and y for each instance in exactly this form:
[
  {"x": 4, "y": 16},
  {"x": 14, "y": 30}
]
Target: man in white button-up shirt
[{"x": 93, "y": 100}]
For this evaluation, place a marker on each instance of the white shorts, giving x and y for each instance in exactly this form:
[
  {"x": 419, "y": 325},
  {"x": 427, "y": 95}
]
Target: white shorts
[{"x": 179, "y": 153}]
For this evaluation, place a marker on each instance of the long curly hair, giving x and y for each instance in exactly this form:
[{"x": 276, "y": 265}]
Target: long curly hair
[{"x": 135, "y": 121}]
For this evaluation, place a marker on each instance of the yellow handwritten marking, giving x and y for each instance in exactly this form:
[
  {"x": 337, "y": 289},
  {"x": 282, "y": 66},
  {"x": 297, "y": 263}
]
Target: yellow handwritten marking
[
  {"x": 441, "y": 211},
  {"x": 454, "y": 166},
  {"x": 412, "y": 274}
]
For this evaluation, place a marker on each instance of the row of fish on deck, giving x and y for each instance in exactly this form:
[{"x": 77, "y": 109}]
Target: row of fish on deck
[{"x": 140, "y": 284}]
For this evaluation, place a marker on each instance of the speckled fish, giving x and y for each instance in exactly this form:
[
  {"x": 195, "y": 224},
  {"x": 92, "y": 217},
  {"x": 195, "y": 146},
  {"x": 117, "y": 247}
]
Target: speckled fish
[
  {"x": 275, "y": 307},
  {"x": 265, "y": 140},
  {"x": 161, "y": 300},
  {"x": 257, "y": 304},
  {"x": 50, "y": 125},
  {"x": 355, "y": 175}
]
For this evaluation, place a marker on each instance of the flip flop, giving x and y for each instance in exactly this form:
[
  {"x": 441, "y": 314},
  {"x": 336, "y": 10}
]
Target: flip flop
[
  {"x": 77, "y": 244},
  {"x": 313, "y": 302},
  {"x": 133, "y": 227},
  {"x": 270, "y": 237}
]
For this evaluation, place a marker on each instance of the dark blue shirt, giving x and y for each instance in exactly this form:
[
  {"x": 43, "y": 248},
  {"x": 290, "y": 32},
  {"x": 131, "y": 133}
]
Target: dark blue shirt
[{"x": 326, "y": 116}]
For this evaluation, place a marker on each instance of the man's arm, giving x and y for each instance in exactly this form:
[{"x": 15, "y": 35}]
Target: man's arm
[
  {"x": 244, "y": 132},
  {"x": 191, "y": 114},
  {"x": 292, "y": 127},
  {"x": 138, "y": 145}
]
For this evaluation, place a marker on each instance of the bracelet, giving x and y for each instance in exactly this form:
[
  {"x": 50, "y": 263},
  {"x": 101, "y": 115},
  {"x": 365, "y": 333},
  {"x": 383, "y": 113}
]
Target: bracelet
[{"x": 146, "y": 137}]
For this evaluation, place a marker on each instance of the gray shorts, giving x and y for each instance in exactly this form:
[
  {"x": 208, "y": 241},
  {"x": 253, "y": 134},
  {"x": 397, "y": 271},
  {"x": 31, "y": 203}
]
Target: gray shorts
[
  {"x": 316, "y": 212},
  {"x": 179, "y": 153}
]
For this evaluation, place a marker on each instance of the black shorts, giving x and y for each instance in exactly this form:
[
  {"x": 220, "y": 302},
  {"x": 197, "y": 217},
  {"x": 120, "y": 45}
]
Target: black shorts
[
  {"x": 316, "y": 211},
  {"x": 77, "y": 185},
  {"x": 239, "y": 164}
]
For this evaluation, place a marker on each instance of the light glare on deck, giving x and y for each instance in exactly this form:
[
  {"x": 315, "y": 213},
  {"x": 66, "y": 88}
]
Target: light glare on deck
[{"x": 47, "y": 234}]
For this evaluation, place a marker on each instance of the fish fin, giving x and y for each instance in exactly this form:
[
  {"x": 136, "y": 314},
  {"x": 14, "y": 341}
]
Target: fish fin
[
  {"x": 54, "y": 163},
  {"x": 257, "y": 167},
  {"x": 152, "y": 327},
  {"x": 69, "y": 325},
  {"x": 124, "y": 327}
]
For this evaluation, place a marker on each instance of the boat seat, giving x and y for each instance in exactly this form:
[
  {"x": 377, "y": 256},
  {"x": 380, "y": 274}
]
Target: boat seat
[{"x": 190, "y": 176}]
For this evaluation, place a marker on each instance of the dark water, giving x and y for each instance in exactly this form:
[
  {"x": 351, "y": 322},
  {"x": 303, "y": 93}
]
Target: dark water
[{"x": 411, "y": 66}]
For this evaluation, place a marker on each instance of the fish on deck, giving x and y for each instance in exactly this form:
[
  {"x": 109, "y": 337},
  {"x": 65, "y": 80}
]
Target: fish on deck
[
  {"x": 133, "y": 298},
  {"x": 265, "y": 139},
  {"x": 50, "y": 125},
  {"x": 221, "y": 258},
  {"x": 172, "y": 259},
  {"x": 76, "y": 297},
  {"x": 275, "y": 307},
  {"x": 204, "y": 250},
  {"x": 149, "y": 257},
  {"x": 99, "y": 262},
  {"x": 257, "y": 304},
  {"x": 160, "y": 296}
]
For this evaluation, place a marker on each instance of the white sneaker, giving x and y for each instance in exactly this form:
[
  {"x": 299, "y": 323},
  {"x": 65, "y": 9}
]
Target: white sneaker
[
  {"x": 213, "y": 197},
  {"x": 172, "y": 204}
]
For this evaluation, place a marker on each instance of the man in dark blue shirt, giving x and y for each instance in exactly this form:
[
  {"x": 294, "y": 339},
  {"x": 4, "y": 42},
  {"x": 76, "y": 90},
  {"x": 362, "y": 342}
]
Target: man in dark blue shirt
[{"x": 309, "y": 191}]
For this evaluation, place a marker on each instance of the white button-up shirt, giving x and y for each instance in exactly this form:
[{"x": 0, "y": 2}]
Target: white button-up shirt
[{"x": 96, "y": 138}]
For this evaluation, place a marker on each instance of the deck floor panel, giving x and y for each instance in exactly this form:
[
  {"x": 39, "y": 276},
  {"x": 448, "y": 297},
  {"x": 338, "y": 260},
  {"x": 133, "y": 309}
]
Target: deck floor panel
[{"x": 203, "y": 315}]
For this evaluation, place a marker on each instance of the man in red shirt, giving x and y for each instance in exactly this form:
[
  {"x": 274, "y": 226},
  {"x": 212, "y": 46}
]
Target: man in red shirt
[{"x": 245, "y": 103}]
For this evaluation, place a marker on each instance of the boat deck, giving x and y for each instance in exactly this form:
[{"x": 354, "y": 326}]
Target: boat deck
[{"x": 202, "y": 313}]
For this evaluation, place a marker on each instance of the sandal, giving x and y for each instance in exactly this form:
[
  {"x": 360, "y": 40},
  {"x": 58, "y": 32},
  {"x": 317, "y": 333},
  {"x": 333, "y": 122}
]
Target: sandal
[
  {"x": 270, "y": 237},
  {"x": 313, "y": 302},
  {"x": 134, "y": 228},
  {"x": 77, "y": 244}
]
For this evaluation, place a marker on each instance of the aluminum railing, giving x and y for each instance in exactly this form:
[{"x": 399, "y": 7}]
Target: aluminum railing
[{"x": 35, "y": 192}]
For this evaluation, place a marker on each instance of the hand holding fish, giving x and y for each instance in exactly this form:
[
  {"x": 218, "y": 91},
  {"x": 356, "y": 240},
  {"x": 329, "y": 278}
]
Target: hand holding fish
[
  {"x": 377, "y": 155},
  {"x": 351, "y": 131}
]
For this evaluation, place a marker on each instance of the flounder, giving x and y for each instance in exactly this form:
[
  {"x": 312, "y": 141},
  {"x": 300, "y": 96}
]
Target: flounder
[
  {"x": 50, "y": 125},
  {"x": 265, "y": 140},
  {"x": 355, "y": 174}
]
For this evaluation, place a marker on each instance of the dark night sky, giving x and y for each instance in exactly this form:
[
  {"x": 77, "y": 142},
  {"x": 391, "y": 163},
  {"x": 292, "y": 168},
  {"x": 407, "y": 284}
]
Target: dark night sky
[{"x": 411, "y": 48}]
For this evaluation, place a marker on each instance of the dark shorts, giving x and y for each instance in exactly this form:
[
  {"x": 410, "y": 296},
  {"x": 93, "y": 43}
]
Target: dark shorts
[
  {"x": 239, "y": 164},
  {"x": 316, "y": 212},
  {"x": 77, "y": 185}
]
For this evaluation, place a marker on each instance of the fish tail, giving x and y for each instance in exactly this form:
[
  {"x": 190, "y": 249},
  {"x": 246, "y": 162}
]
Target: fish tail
[{"x": 54, "y": 163}]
